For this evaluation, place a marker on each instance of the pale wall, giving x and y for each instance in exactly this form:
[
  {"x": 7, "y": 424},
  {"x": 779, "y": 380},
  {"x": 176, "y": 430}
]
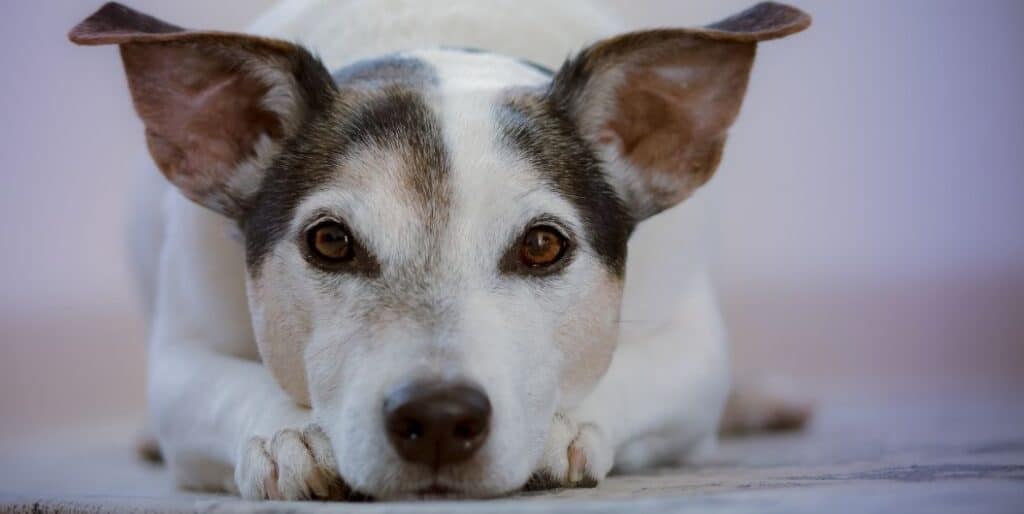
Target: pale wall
[{"x": 871, "y": 201}]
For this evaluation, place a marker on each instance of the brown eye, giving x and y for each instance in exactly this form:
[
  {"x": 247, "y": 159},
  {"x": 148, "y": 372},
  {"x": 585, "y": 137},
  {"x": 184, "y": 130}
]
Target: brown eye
[
  {"x": 330, "y": 241},
  {"x": 542, "y": 246}
]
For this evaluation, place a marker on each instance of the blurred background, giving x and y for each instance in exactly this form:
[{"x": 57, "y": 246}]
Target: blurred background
[{"x": 870, "y": 205}]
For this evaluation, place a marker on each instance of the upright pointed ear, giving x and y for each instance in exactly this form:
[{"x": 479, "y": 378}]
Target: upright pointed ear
[
  {"x": 657, "y": 104},
  {"x": 217, "y": 107}
]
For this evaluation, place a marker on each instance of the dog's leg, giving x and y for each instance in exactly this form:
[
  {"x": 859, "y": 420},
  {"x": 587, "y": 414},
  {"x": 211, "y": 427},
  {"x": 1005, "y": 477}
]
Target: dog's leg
[
  {"x": 221, "y": 419},
  {"x": 765, "y": 405},
  {"x": 672, "y": 385},
  {"x": 660, "y": 450},
  {"x": 223, "y": 423}
]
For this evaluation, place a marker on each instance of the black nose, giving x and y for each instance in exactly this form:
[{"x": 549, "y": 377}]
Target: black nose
[{"x": 437, "y": 423}]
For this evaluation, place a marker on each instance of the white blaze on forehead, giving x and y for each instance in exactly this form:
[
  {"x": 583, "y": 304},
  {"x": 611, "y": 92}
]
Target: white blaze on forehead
[{"x": 494, "y": 191}]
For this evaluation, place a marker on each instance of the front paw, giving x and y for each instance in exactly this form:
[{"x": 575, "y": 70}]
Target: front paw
[
  {"x": 293, "y": 465},
  {"x": 576, "y": 455}
]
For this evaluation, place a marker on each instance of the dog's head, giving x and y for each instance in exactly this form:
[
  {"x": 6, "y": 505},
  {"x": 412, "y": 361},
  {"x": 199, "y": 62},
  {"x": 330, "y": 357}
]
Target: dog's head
[{"x": 436, "y": 240}]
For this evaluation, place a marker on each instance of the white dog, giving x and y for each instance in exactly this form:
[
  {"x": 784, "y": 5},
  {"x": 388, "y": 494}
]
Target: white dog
[{"x": 399, "y": 270}]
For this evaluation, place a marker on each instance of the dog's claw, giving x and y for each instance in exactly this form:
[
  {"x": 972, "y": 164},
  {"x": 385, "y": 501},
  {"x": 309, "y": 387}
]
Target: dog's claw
[
  {"x": 293, "y": 465},
  {"x": 577, "y": 464},
  {"x": 575, "y": 456}
]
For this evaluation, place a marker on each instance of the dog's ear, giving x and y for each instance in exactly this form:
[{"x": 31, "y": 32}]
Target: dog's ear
[
  {"x": 217, "y": 106},
  {"x": 657, "y": 104}
]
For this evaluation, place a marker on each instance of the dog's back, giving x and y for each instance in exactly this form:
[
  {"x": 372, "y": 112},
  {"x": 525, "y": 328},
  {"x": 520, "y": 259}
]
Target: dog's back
[{"x": 342, "y": 32}]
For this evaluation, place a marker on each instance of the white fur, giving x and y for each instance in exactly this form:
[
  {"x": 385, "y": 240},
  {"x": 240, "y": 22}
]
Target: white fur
[{"x": 210, "y": 395}]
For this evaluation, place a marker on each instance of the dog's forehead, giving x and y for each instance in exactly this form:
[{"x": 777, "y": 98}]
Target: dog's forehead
[{"x": 435, "y": 145}]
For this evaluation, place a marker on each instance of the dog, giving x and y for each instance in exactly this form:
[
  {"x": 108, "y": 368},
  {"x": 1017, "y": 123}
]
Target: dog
[{"x": 399, "y": 269}]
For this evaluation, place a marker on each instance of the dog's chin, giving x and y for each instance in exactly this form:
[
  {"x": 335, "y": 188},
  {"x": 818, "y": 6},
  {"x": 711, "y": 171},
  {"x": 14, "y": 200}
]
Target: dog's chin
[
  {"x": 440, "y": 490},
  {"x": 437, "y": 491}
]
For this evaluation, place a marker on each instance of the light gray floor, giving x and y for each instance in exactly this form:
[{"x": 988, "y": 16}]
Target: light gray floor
[{"x": 932, "y": 454}]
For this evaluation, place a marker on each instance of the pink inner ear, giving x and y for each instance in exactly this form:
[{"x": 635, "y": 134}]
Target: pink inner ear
[
  {"x": 202, "y": 118},
  {"x": 653, "y": 127},
  {"x": 658, "y": 124},
  {"x": 671, "y": 120}
]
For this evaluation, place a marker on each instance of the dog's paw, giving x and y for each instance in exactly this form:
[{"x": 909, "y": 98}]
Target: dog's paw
[
  {"x": 293, "y": 465},
  {"x": 576, "y": 455}
]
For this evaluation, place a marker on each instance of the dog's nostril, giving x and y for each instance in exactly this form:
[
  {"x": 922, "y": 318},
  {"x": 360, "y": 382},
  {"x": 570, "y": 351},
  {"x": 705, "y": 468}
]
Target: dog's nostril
[
  {"x": 468, "y": 428},
  {"x": 437, "y": 423},
  {"x": 409, "y": 429}
]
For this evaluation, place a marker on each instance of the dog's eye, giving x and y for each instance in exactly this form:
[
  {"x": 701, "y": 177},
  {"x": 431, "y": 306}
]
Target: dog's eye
[
  {"x": 542, "y": 246},
  {"x": 330, "y": 242}
]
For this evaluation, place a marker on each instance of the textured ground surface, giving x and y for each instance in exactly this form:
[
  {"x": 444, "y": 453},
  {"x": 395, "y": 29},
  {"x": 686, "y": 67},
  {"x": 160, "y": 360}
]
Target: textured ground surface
[{"x": 908, "y": 455}]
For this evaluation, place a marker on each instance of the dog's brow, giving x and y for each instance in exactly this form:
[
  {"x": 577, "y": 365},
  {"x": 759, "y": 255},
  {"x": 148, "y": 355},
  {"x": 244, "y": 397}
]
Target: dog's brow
[{"x": 380, "y": 103}]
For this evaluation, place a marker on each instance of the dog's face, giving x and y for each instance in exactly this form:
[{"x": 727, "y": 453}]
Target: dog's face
[{"x": 436, "y": 240}]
